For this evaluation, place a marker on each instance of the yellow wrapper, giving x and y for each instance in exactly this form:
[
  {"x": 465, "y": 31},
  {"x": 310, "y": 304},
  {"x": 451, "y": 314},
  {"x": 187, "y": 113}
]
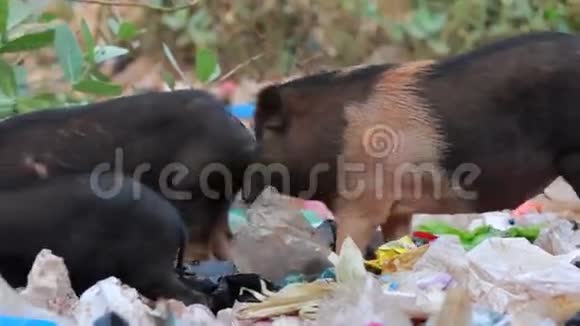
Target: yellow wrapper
[
  {"x": 404, "y": 261},
  {"x": 390, "y": 250}
]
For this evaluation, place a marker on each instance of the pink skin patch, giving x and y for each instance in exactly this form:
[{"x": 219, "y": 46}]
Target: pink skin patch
[{"x": 375, "y": 324}]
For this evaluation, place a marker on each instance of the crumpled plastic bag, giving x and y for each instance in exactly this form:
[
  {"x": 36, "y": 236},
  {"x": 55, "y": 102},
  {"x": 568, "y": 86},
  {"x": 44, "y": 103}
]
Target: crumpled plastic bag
[
  {"x": 512, "y": 270},
  {"x": 49, "y": 296},
  {"x": 445, "y": 255},
  {"x": 12, "y": 304},
  {"x": 500, "y": 273},
  {"x": 49, "y": 286},
  {"x": 361, "y": 302},
  {"x": 176, "y": 313},
  {"x": 111, "y": 295},
  {"x": 558, "y": 238},
  {"x": 455, "y": 310},
  {"x": 277, "y": 240},
  {"x": 349, "y": 266},
  {"x": 423, "y": 291},
  {"x": 552, "y": 311},
  {"x": 304, "y": 298}
]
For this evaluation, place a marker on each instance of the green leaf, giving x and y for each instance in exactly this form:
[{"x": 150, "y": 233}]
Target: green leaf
[
  {"x": 100, "y": 76},
  {"x": 415, "y": 31},
  {"x": 47, "y": 17},
  {"x": 29, "y": 42},
  {"x": 104, "y": 53},
  {"x": 98, "y": 87},
  {"x": 206, "y": 65},
  {"x": 68, "y": 53},
  {"x": 7, "y": 106},
  {"x": 168, "y": 79},
  {"x": 8, "y": 85},
  {"x": 395, "y": 31},
  {"x": 435, "y": 23},
  {"x": 20, "y": 75},
  {"x": 22, "y": 10},
  {"x": 127, "y": 31},
  {"x": 4, "y": 12},
  {"x": 89, "y": 41},
  {"x": 177, "y": 20}
]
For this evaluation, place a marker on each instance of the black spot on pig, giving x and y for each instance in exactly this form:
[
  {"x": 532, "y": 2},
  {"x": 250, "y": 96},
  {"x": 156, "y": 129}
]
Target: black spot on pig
[{"x": 131, "y": 233}]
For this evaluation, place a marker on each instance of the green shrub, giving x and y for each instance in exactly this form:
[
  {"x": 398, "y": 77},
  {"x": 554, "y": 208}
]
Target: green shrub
[{"x": 26, "y": 28}]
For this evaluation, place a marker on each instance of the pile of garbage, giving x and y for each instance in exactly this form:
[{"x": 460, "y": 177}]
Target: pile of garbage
[{"x": 496, "y": 268}]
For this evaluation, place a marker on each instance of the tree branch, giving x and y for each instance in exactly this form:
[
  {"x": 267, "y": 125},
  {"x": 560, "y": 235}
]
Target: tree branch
[
  {"x": 137, "y": 4},
  {"x": 240, "y": 66}
]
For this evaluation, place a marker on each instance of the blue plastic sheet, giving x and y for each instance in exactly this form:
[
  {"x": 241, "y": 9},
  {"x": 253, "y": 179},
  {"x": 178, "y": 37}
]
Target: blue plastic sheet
[
  {"x": 18, "y": 321},
  {"x": 243, "y": 111}
]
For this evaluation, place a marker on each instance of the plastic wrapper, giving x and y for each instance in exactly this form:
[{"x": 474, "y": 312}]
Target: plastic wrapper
[
  {"x": 390, "y": 250},
  {"x": 278, "y": 241},
  {"x": 405, "y": 261}
]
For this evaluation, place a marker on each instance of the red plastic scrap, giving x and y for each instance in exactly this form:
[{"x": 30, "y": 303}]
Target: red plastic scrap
[
  {"x": 424, "y": 235},
  {"x": 527, "y": 207}
]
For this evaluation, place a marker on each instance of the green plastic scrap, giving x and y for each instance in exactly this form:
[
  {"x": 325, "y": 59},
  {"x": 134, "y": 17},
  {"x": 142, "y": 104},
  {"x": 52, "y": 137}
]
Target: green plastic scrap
[
  {"x": 470, "y": 239},
  {"x": 312, "y": 218},
  {"x": 237, "y": 218}
]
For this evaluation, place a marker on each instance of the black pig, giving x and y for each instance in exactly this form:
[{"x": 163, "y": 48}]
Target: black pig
[
  {"x": 171, "y": 141},
  {"x": 134, "y": 238},
  {"x": 480, "y": 131}
]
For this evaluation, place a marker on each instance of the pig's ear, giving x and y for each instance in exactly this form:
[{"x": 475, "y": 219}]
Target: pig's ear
[{"x": 271, "y": 107}]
